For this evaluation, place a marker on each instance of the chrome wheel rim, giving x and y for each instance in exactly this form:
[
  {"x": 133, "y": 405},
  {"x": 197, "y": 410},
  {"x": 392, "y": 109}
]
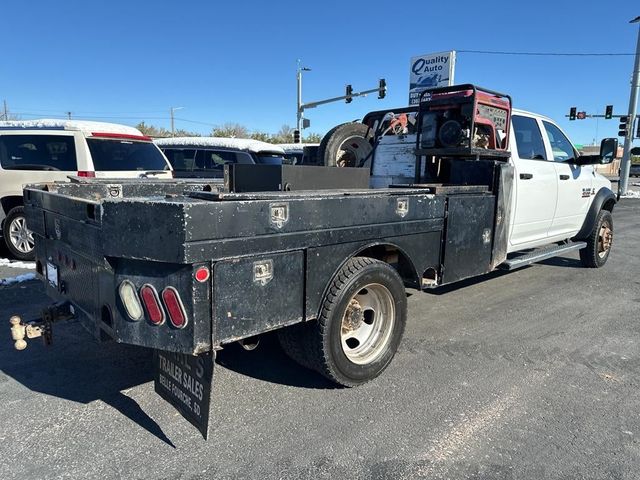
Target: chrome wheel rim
[
  {"x": 367, "y": 324},
  {"x": 20, "y": 236},
  {"x": 353, "y": 151},
  {"x": 605, "y": 239}
]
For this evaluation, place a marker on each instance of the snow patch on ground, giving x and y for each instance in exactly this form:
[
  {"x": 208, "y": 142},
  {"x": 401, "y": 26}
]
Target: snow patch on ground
[
  {"x": 631, "y": 194},
  {"x": 5, "y": 262},
  {"x": 25, "y": 277}
]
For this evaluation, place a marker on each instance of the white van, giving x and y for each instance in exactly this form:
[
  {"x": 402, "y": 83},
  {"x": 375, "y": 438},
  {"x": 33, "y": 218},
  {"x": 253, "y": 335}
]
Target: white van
[{"x": 38, "y": 151}]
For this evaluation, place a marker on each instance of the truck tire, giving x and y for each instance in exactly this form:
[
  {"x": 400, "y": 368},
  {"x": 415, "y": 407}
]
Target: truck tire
[
  {"x": 346, "y": 145},
  {"x": 17, "y": 236},
  {"x": 596, "y": 253},
  {"x": 362, "y": 319}
]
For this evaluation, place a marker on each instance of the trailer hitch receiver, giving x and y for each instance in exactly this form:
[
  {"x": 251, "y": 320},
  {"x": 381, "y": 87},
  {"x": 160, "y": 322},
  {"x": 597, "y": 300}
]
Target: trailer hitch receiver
[{"x": 39, "y": 328}]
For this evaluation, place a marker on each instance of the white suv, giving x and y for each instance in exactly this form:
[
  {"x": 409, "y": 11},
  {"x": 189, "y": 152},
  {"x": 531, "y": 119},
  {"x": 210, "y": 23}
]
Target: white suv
[{"x": 48, "y": 150}]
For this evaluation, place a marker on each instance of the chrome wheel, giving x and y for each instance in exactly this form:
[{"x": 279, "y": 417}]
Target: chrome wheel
[
  {"x": 20, "y": 236},
  {"x": 353, "y": 151},
  {"x": 367, "y": 324},
  {"x": 605, "y": 239}
]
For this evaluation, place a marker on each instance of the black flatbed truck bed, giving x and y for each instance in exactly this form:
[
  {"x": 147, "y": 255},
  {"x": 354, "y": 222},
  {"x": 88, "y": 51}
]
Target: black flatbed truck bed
[{"x": 271, "y": 257}]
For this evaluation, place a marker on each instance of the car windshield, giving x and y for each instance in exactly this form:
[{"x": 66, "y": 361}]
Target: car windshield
[
  {"x": 269, "y": 159},
  {"x": 120, "y": 155}
]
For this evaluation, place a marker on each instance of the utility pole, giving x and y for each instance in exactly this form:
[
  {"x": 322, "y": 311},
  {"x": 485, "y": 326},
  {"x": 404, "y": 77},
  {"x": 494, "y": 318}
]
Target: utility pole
[
  {"x": 5, "y": 115},
  {"x": 628, "y": 139},
  {"x": 300, "y": 109},
  {"x": 69, "y": 115},
  {"x": 171, "y": 110}
]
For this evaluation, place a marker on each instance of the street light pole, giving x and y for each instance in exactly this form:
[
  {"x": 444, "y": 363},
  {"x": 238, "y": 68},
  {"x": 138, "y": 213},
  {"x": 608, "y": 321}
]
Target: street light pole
[
  {"x": 171, "y": 110},
  {"x": 299, "y": 108},
  {"x": 633, "y": 101}
]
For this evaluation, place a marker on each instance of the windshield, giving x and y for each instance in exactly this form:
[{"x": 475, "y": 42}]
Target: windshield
[
  {"x": 119, "y": 155},
  {"x": 269, "y": 159}
]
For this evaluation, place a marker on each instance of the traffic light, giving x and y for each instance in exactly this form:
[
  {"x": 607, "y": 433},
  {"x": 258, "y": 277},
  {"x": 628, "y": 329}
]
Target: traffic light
[
  {"x": 296, "y": 136},
  {"x": 608, "y": 113},
  {"x": 572, "y": 113},
  {"x": 622, "y": 128},
  {"x": 382, "y": 88},
  {"x": 348, "y": 94}
]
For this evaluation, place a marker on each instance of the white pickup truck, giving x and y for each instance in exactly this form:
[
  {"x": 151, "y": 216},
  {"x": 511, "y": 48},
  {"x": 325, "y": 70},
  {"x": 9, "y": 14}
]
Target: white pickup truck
[{"x": 467, "y": 187}]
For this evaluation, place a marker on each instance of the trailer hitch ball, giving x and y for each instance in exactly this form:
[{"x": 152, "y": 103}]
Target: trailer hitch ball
[{"x": 18, "y": 332}]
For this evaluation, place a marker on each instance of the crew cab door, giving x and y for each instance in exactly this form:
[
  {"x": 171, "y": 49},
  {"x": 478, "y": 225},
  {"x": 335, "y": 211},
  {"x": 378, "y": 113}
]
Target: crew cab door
[
  {"x": 574, "y": 183},
  {"x": 536, "y": 187}
]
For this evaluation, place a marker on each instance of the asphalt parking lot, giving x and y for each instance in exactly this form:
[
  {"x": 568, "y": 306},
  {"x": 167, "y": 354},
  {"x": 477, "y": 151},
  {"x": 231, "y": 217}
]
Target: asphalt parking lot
[{"x": 530, "y": 374}]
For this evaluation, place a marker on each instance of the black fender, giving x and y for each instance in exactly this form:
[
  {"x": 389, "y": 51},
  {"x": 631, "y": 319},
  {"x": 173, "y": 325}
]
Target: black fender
[{"x": 605, "y": 198}]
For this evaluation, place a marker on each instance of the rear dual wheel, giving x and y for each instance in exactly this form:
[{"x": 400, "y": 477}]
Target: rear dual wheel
[{"x": 362, "y": 320}]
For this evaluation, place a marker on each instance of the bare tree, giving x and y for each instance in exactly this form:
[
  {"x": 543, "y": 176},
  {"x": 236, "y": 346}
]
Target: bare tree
[
  {"x": 230, "y": 130},
  {"x": 284, "y": 135}
]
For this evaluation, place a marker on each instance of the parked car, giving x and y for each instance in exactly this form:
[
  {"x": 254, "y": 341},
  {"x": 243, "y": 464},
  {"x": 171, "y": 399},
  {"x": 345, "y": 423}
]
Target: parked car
[
  {"x": 634, "y": 170},
  {"x": 294, "y": 153},
  {"x": 45, "y": 150},
  {"x": 197, "y": 157}
]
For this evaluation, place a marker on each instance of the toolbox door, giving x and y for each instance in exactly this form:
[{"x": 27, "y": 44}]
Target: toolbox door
[
  {"x": 469, "y": 236},
  {"x": 255, "y": 294}
]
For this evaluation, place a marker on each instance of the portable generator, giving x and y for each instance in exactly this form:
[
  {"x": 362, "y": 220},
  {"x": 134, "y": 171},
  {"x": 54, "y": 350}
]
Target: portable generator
[{"x": 463, "y": 120}]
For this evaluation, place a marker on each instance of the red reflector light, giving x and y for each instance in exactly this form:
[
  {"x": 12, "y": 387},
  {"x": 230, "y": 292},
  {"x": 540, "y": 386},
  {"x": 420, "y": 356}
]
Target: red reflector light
[
  {"x": 86, "y": 173},
  {"x": 121, "y": 136},
  {"x": 175, "y": 309},
  {"x": 152, "y": 304},
  {"x": 202, "y": 274}
]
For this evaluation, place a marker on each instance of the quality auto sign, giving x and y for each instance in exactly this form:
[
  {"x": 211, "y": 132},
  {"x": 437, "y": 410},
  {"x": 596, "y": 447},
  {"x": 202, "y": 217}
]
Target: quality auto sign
[{"x": 430, "y": 71}]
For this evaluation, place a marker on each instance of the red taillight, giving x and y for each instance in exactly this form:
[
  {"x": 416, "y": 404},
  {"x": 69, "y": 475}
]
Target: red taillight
[
  {"x": 175, "y": 309},
  {"x": 152, "y": 304},
  {"x": 202, "y": 274},
  {"x": 86, "y": 173}
]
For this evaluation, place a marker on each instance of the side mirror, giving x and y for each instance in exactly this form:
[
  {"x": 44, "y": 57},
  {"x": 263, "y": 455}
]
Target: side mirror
[{"x": 608, "y": 150}]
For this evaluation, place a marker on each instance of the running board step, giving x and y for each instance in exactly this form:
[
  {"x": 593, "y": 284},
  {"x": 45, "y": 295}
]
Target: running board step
[{"x": 541, "y": 254}]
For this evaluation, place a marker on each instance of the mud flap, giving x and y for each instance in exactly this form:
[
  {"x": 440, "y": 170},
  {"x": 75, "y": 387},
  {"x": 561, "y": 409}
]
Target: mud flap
[{"x": 185, "y": 381}]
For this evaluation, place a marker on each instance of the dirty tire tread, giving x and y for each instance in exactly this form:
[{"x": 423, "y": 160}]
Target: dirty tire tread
[
  {"x": 327, "y": 149},
  {"x": 293, "y": 341},
  {"x": 316, "y": 345},
  {"x": 589, "y": 255}
]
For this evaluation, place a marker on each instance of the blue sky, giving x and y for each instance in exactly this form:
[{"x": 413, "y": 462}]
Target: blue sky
[{"x": 236, "y": 61}]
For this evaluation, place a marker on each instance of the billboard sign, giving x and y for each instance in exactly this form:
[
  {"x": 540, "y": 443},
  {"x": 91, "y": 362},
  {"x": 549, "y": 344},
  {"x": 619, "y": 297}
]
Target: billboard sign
[{"x": 430, "y": 71}]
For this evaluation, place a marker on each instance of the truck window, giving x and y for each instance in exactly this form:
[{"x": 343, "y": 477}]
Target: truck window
[
  {"x": 120, "y": 155},
  {"x": 560, "y": 145},
  {"x": 528, "y": 138},
  {"x": 38, "y": 152},
  {"x": 217, "y": 159},
  {"x": 181, "y": 160}
]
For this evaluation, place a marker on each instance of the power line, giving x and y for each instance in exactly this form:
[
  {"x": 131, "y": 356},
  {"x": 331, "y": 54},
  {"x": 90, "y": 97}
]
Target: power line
[{"x": 548, "y": 54}]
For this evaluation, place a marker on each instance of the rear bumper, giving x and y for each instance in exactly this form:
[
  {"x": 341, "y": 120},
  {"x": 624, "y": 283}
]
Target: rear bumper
[{"x": 91, "y": 286}]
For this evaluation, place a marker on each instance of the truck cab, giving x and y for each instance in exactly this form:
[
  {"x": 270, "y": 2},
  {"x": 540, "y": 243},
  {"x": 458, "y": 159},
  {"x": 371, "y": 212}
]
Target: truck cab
[{"x": 552, "y": 190}]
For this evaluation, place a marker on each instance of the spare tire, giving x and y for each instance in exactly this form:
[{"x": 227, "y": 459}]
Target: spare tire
[{"x": 346, "y": 145}]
